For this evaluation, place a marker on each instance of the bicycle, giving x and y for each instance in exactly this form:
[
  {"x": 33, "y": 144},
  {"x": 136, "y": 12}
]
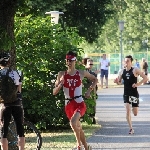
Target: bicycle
[{"x": 32, "y": 136}]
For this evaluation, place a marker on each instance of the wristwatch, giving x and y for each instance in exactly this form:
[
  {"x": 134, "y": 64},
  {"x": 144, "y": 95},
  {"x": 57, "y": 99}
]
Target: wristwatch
[
  {"x": 91, "y": 88},
  {"x": 61, "y": 84}
]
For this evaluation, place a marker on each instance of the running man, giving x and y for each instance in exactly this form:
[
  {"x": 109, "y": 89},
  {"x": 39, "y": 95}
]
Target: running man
[
  {"x": 131, "y": 95},
  {"x": 71, "y": 81}
]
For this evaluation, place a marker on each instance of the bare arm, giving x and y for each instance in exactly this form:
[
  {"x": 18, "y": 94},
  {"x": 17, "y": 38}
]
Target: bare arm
[
  {"x": 59, "y": 83},
  {"x": 138, "y": 72},
  {"x": 19, "y": 87},
  {"x": 119, "y": 78}
]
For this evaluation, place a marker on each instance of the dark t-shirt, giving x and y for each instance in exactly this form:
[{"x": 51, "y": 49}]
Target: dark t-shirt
[{"x": 88, "y": 82}]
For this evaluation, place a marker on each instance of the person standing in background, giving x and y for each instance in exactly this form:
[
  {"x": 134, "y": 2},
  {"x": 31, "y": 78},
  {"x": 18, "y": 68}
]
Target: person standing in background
[
  {"x": 88, "y": 63},
  {"x": 104, "y": 65},
  {"x": 145, "y": 67}
]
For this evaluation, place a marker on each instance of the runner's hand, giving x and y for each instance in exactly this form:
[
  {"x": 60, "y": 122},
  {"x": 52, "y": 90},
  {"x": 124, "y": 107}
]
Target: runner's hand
[
  {"x": 116, "y": 80},
  {"x": 134, "y": 85}
]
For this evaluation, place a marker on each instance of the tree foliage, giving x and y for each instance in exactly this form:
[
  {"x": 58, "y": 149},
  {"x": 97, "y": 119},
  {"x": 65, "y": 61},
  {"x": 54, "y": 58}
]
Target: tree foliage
[
  {"x": 40, "y": 53},
  {"x": 88, "y": 16},
  {"x": 135, "y": 13}
]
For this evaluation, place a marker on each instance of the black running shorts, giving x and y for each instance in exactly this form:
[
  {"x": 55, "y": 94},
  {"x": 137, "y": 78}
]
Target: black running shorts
[{"x": 131, "y": 100}]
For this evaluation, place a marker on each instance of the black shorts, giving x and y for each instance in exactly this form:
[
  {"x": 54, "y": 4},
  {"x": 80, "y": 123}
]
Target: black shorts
[
  {"x": 18, "y": 115},
  {"x": 131, "y": 100}
]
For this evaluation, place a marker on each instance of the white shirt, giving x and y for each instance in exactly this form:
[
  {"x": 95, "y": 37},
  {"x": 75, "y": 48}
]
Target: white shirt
[
  {"x": 13, "y": 74},
  {"x": 104, "y": 64}
]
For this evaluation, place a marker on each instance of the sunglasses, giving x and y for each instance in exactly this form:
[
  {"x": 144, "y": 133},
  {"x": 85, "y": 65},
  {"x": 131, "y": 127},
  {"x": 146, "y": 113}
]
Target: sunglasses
[
  {"x": 90, "y": 64},
  {"x": 69, "y": 60}
]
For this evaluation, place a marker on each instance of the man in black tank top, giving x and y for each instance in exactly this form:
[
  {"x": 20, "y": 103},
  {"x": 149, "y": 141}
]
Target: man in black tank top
[{"x": 131, "y": 95}]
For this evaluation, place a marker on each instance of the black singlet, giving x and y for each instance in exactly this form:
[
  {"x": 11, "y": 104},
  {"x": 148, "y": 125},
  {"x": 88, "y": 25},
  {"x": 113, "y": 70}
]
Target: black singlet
[{"x": 129, "y": 80}]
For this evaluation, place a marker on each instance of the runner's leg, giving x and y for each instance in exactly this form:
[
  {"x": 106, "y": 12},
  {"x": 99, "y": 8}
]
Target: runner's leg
[
  {"x": 128, "y": 115},
  {"x": 135, "y": 110},
  {"x": 74, "y": 122},
  {"x": 82, "y": 137}
]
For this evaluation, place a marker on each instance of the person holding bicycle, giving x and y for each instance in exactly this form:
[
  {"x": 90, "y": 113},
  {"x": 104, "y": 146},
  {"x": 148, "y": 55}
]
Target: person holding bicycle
[
  {"x": 71, "y": 81},
  {"x": 131, "y": 95},
  {"x": 14, "y": 109}
]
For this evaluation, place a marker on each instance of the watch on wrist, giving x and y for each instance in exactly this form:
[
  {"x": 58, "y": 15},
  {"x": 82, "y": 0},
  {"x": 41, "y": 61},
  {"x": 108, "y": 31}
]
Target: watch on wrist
[
  {"x": 61, "y": 84},
  {"x": 91, "y": 88}
]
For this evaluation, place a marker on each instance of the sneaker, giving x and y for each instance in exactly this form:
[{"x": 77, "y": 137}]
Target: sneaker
[
  {"x": 131, "y": 131},
  {"x": 89, "y": 147}
]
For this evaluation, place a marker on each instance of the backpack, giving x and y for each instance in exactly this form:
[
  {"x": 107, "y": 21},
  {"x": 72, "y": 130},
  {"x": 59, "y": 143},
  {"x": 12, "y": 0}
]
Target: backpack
[{"x": 8, "y": 89}]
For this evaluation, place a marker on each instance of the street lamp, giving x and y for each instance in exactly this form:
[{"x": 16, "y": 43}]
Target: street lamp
[
  {"x": 121, "y": 27},
  {"x": 54, "y": 16}
]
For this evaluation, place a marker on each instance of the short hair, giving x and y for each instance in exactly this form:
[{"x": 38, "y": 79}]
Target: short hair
[
  {"x": 129, "y": 56},
  {"x": 4, "y": 59},
  {"x": 72, "y": 53},
  {"x": 84, "y": 61}
]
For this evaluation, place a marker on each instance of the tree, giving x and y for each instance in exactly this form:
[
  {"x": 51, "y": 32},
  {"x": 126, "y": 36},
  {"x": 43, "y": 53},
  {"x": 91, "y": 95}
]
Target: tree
[
  {"x": 7, "y": 41},
  {"x": 135, "y": 13},
  {"x": 89, "y": 24},
  {"x": 88, "y": 16}
]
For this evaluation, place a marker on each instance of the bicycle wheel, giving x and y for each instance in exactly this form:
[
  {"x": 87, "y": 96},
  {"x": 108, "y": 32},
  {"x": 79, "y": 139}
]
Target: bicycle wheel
[
  {"x": 33, "y": 139},
  {"x": 12, "y": 137},
  {"x": 32, "y": 136}
]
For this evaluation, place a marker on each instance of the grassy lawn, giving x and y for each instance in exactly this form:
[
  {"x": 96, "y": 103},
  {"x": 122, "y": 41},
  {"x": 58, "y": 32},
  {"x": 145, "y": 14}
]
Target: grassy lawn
[{"x": 64, "y": 139}]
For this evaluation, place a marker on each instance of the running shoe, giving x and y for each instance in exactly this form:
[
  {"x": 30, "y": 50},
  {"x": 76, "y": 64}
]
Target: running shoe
[{"x": 131, "y": 131}]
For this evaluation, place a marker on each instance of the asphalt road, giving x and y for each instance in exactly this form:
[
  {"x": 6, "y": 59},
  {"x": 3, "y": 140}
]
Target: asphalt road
[{"x": 111, "y": 116}]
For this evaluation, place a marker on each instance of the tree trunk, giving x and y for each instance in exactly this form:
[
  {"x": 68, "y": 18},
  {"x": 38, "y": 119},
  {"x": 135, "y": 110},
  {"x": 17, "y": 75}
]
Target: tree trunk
[{"x": 7, "y": 13}]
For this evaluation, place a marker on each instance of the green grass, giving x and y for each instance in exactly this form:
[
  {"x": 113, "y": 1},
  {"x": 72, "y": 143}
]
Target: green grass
[{"x": 65, "y": 139}]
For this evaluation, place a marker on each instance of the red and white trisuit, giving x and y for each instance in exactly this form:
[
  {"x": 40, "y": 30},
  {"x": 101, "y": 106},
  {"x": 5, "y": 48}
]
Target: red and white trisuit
[{"x": 73, "y": 88}]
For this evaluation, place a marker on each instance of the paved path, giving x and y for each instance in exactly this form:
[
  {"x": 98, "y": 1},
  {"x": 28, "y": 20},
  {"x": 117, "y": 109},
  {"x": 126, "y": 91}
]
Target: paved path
[{"x": 111, "y": 115}]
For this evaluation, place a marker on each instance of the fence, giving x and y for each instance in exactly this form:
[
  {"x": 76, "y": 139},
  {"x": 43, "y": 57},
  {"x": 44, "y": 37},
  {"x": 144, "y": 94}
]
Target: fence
[{"x": 115, "y": 59}]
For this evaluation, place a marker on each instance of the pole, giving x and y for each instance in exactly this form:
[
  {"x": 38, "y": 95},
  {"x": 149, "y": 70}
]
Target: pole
[{"x": 121, "y": 49}]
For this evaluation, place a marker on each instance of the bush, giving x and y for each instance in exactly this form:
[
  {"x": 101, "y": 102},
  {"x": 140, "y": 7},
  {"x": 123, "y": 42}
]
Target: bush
[{"x": 41, "y": 49}]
